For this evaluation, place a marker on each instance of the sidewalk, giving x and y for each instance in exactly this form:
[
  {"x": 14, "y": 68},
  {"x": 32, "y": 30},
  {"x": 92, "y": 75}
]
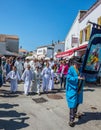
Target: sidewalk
[{"x": 20, "y": 112}]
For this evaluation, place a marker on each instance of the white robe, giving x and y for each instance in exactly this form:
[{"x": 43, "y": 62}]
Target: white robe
[
  {"x": 14, "y": 77},
  {"x": 27, "y": 77},
  {"x": 36, "y": 82},
  {"x": 46, "y": 75},
  {"x": 19, "y": 67},
  {"x": 26, "y": 64},
  {"x": 51, "y": 82},
  {"x": 51, "y": 64}
]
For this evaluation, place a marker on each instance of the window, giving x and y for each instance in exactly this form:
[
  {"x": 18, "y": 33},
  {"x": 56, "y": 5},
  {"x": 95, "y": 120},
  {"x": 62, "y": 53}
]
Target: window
[
  {"x": 59, "y": 50},
  {"x": 85, "y": 34}
]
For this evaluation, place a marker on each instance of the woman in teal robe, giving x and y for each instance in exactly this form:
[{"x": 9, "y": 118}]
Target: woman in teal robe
[{"x": 73, "y": 97}]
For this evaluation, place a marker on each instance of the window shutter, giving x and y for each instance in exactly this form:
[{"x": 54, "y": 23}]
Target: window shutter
[
  {"x": 88, "y": 32},
  {"x": 81, "y": 33},
  {"x": 99, "y": 20}
]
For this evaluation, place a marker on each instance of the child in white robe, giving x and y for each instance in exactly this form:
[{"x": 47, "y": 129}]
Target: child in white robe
[
  {"x": 51, "y": 82},
  {"x": 27, "y": 77},
  {"x": 14, "y": 77},
  {"x": 46, "y": 75},
  {"x": 36, "y": 81}
]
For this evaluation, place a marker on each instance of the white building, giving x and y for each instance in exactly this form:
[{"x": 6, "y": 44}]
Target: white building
[
  {"x": 41, "y": 52},
  {"x": 72, "y": 38},
  {"x": 45, "y": 51},
  {"x": 78, "y": 36},
  {"x": 93, "y": 15}
]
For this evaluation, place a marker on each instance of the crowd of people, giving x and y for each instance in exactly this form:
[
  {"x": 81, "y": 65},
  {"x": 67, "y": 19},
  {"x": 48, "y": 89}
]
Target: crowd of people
[
  {"x": 41, "y": 75},
  {"x": 36, "y": 74}
]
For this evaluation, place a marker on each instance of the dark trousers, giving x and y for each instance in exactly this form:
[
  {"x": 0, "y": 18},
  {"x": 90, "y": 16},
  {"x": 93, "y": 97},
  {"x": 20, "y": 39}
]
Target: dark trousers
[
  {"x": 73, "y": 112},
  {"x": 63, "y": 81}
]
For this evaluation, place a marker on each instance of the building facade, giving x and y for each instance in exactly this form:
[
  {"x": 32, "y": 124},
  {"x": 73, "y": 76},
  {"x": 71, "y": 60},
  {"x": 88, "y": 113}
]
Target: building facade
[
  {"x": 77, "y": 39},
  {"x": 45, "y": 51},
  {"x": 9, "y": 43},
  {"x": 59, "y": 47},
  {"x": 72, "y": 38},
  {"x": 93, "y": 15}
]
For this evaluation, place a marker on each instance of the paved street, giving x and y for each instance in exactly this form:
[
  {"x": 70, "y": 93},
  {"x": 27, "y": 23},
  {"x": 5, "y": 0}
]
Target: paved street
[{"x": 20, "y": 112}]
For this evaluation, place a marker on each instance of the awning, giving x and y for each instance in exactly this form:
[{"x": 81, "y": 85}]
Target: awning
[
  {"x": 71, "y": 51},
  {"x": 82, "y": 47},
  {"x": 64, "y": 54}
]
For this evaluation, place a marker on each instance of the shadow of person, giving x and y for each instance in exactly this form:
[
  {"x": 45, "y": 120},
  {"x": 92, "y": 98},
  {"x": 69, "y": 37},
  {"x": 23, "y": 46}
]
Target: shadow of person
[
  {"x": 89, "y": 116},
  {"x": 11, "y": 113},
  {"x": 9, "y": 95},
  {"x": 88, "y": 89},
  {"x": 8, "y": 106},
  {"x": 4, "y": 91},
  {"x": 13, "y": 124}
]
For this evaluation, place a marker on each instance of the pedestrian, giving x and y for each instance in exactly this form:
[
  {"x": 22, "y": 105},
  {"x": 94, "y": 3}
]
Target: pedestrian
[
  {"x": 35, "y": 87},
  {"x": 65, "y": 70},
  {"x": 14, "y": 77},
  {"x": 74, "y": 95},
  {"x": 26, "y": 63},
  {"x": 51, "y": 82},
  {"x": 19, "y": 66},
  {"x": 60, "y": 73},
  {"x": 27, "y": 77},
  {"x": 7, "y": 66},
  {"x": 46, "y": 75}
]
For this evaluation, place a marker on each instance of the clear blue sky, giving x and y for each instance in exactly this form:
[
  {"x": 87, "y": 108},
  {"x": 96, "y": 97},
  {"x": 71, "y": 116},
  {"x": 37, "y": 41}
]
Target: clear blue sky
[{"x": 38, "y": 22}]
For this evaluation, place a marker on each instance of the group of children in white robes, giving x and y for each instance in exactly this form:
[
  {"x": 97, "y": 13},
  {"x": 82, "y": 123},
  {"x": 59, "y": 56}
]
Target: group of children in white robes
[{"x": 32, "y": 79}]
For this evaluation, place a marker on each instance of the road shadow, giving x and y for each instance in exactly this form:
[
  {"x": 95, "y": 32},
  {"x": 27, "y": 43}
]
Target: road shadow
[
  {"x": 12, "y": 120},
  {"x": 3, "y": 91},
  {"x": 13, "y": 124},
  {"x": 53, "y": 91},
  {"x": 89, "y": 116},
  {"x": 6, "y": 85},
  {"x": 8, "y": 106},
  {"x": 92, "y": 85},
  {"x": 7, "y": 94},
  {"x": 88, "y": 89},
  {"x": 11, "y": 113}
]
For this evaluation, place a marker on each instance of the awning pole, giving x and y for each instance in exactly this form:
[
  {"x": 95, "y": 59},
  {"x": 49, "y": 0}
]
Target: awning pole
[{"x": 94, "y": 24}]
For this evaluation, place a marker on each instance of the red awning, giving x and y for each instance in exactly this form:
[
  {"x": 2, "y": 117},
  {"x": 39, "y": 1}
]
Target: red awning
[
  {"x": 66, "y": 53},
  {"x": 70, "y": 51},
  {"x": 81, "y": 47}
]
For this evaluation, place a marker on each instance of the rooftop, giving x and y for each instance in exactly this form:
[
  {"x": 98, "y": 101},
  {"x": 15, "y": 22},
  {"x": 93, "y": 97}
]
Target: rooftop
[
  {"x": 94, "y": 6},
  {"x": 22, "y": 50},
  {"x": 3, "y": 37}
]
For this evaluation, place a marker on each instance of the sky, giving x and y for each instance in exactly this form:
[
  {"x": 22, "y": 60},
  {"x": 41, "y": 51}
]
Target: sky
[{"x": 39, "y": 22}]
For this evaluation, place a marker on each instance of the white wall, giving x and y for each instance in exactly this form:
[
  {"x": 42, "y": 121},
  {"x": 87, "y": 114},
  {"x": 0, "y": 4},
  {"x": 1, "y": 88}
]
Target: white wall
[
  {"x": 73, "y": 32},
  {"x": 93, "y": 17},
  {"x": 42, "y": 51}
]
